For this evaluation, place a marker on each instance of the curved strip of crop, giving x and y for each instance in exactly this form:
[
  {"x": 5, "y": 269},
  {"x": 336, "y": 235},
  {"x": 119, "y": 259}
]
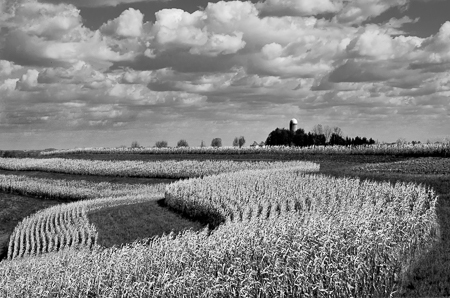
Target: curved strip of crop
[
  {"x": 319, "y": 236},
  {"x": 389, "y": 226},
  {"x": 72, "y": 190},
  {"x": 159, "y": 169},
  {"x": 384, "y": 149},
  {"x": 45, "y": 231},
  {"x": 63, "y": 226}
]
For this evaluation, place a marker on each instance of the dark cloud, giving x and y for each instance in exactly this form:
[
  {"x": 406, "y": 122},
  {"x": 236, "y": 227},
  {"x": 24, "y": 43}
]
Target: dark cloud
[
  {"x": 352, "y": 71},
  {"x": 26, "y": 50},
  {"x": 181, "y": 61}
]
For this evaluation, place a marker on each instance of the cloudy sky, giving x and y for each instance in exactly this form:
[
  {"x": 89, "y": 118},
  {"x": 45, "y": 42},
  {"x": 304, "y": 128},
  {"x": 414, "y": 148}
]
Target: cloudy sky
[{"x": 85, "y": 73}]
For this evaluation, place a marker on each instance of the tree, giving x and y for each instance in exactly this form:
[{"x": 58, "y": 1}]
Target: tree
[
  {"x": 161, "y": 144},
  {"x": 216, "y": 142},
  {"x": 327, "y": 132},
  {"x": 300, "y": 138},
  {"x": 317, "y": 129},
  {"x": 135, "y": 144},
  {"x": 279, "y": 137},
  {"x": 337, "y": 131},
  {"x": 236, "y": 142},
  {"x": 202, "y": 144},
  {"x": 401, "y": 141},
  {"x": 241, "y": 141},
  {"x": 336, "y": 139},
  {"x": 182, "y": 143}
]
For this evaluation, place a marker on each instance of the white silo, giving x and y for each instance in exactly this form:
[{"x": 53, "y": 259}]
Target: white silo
[{"x": 293, "y": 125}]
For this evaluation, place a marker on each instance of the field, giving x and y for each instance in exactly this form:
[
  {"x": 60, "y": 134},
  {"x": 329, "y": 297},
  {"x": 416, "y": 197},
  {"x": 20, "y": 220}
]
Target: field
[{"x": 250, "y": 224}]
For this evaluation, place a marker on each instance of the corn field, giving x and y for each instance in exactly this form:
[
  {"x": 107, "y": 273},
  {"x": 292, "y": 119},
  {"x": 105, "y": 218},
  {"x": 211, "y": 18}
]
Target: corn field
[
  {"x": 434, "y": 149},
  {"x": 155, "y": 169},
  {"x": 69, "y": 190},
  {"x": 283, "y": 233},
  {"x": 66, "y": 226}
]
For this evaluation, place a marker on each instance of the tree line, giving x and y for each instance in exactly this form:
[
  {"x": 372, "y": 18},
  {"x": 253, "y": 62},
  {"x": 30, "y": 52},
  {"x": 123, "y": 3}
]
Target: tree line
[
  {"x": 319, "y": 136},
  {"x": 216, "y": 142}
]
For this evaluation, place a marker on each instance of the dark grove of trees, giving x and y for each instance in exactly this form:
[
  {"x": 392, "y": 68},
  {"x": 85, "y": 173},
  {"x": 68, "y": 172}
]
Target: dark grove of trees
[{"x": 284, "y": 137}]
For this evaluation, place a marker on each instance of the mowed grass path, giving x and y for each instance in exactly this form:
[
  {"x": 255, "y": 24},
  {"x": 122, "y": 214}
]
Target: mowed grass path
[{"x": 124, "y": 224}]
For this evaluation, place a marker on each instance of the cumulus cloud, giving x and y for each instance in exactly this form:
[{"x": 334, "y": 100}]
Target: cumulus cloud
[
  {"x": 298, "y": 7},
  {"x": 358, "y": 11},
  {"x": 8, "y": 67},
  {"x": 8, "y": 85},
  {"x": 175, "y": 28},
  {"x": 231, "y": 58},
  {"x": 348, "y": 12},
  {"x": 98, "y": 3},
  {"x": 46, "y": 20},
  {"x": 220, "y": 44},
  {"x": 29, "y": 81},
  {"x": 373, "y": 44},
  {"x": 128, "y": 24},
  {"x": 41, "y": 34},
  {"x": 437, "y": 47}
]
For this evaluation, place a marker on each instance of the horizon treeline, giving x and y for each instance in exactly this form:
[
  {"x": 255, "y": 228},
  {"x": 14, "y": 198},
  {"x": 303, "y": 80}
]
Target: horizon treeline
[{"x": 284, "y": 137}]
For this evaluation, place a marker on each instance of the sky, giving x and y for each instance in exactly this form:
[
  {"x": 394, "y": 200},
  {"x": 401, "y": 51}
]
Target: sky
[{"x": 105, "y": 73}]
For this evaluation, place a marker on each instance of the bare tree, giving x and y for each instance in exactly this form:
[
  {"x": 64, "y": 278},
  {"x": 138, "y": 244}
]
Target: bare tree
[
  {"x": 135, "y": 144},
  {"x": 202, "y": 144},
  {"x": 337, "y": 131},
  {"x": 328, "y": 132},
  {"x": 317, "y": 129}
]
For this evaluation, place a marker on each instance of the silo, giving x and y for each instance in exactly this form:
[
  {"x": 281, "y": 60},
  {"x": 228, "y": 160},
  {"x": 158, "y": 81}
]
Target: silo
[{"x": 293, "y": 125}]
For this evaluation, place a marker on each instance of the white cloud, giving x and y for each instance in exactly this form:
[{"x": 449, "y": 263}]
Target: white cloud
[
  {"x": 372, "y": 43},
  {"x": 8, "y": 85},
  {"x": 46, "y": 20},
  {"x": 220, "y": 44},
  {"x": 299, "y": 7},
  {"x": 358, "y": 11},
  {"x": 28, "y": 82},
  {"x": 128, "y": 24},
  {"x": 99, "y": 3},
  {"x": 242, "y": 59},
  {"x": 42, "y": 34},
  {"x": 175, "y": 28},
  {"x": 8, "y": 67}
]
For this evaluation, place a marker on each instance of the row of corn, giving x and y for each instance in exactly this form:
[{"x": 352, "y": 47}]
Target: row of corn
[{"x": 431, "y": 149}]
